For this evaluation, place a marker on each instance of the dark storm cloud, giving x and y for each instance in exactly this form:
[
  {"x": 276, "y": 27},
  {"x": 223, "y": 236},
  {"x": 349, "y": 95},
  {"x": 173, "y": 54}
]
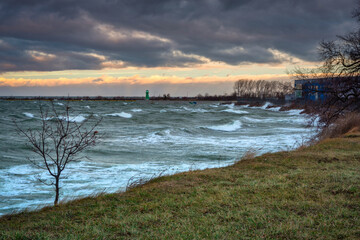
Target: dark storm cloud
[
  {"x": 72, "y": 34},
  {"x": 16, "y": 55}
]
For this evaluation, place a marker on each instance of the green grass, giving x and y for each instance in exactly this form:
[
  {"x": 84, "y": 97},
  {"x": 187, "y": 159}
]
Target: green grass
[{"x": 310, "y": 193}]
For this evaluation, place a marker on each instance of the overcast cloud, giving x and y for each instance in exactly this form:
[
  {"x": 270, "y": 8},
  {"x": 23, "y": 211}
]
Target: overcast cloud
[{"x": 46, "y": 35}]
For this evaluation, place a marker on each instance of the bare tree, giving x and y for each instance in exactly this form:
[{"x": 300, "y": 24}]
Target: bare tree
[
  {"x": 339, "y": 75},
  {"x": 58, "y": 141}
]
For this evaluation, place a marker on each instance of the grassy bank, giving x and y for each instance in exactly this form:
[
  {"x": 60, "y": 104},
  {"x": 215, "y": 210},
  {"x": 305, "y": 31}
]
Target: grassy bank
[{"x": 310, "y": 193}]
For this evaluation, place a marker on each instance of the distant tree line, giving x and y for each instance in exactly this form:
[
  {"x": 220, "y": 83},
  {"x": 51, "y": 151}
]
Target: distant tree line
[
  {"x": 208, "y": 97},
  {"x": 262, "y": 88}
]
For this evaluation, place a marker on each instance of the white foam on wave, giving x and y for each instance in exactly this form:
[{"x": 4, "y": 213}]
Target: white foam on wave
[
  {"x": 266, "y": 105},
  {"x": 252, "y": 120},
  {"x": 230, "y": 105},
  {"x": 24, "y": 169},
  {"x": 78, "y": 118},
  {"x": 163, "y": 111},
  {"x": 30, "y": 115},
  {"x": 196, "y": 110},
  {"x": 230, "y": 110},
  {"x": 136, "y": 110},
  {"x": 122, "y": 114},
  {"x": 160, "y": 135},
  {"x": 20, "y": 179},
  {"x": 274, "y": 109},
  {"x": 88, "y": 107},
  {"x": 59, "y": 103},
  {"x": 294, "y": 111},
  {"x": 297, "y": 120},
  {"x": 316, "y": 122},
  {"x": 227, "y": 127}
]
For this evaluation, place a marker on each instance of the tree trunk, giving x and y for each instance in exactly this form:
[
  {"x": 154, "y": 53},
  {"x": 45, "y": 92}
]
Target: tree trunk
[{"x": 56, "y": 190}]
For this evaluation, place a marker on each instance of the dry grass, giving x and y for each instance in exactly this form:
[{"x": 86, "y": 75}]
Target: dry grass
[
  {"x": 249, "y": 154},
  {"x": 341, "y": 126},
  {"x": 135, "y": 181}
]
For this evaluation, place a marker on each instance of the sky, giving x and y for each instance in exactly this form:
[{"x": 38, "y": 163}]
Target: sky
[{"x": 180, "y": 47}]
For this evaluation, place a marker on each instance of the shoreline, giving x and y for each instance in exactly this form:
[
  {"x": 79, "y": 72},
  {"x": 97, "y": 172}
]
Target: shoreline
[
  {"x": 230, "y": 124},
  {"x": 296, "y": 194}
]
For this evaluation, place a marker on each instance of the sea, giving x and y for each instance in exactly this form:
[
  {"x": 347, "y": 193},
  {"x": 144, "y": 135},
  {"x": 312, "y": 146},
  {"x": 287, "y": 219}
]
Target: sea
[{"x": 139, "y": 140}]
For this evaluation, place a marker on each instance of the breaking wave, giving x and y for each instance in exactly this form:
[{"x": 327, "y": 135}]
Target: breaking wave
[
  {"x": 30, "y": 115},
  {"x": 227, "y": 127},
  {"x": 122, "y": 114},
  {"x": 230, "y": 110},
  {"x": 78, "y": 119}
]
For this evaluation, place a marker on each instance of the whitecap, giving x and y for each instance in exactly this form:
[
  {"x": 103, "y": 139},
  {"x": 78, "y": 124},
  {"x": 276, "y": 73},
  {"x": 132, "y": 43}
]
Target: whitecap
[
  {"x": 156, "y": 137},
  {"x": 122, "y": 114},
  {"x": 252, "y": 120},
  {"x": 232, "y": 105},
  {"x": 230, "y": 110},
  {"x": 316, "y": 122},
  {"x": 78, "y": 118},
  {"x": 294, "y": 111},
  {"x": 136, "y": 110},
  {"x": 30, "y": 115},
  {"x": 266, "y": 105},
  {"x": 59, "y": 103},
  {"x": 163, "y": 111},
  {"x": 197, "y": 110},
  {"x": 88, "y": 107},
  {"x": 227, "y": 127},
  {"x": 24, "y": 169},
  {"x": 275, "y": 109}
]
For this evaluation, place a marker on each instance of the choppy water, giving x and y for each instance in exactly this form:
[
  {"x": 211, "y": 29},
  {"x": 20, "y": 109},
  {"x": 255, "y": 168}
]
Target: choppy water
[{"x": 140, "y": 139}]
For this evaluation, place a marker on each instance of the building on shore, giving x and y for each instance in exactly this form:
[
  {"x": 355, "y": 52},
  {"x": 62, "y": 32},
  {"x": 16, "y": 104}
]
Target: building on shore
[{"x": 311, "y": 89}]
